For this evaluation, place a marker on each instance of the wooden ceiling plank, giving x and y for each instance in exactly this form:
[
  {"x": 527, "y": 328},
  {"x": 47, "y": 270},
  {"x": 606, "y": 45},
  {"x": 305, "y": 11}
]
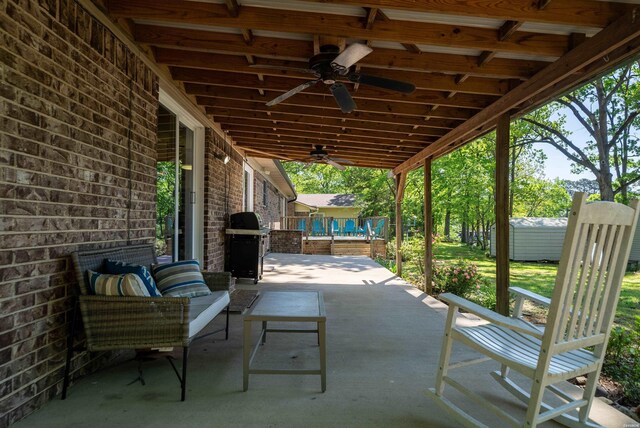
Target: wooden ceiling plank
[
  {"x": 328, "y": 114},
  {"x": 304, "y": 146},
  {"x": 333, "y": 132},
  {"x": 571, "y": 12},
  {"x": 221, "y": 115},
  {"x": 409, "y": 142},
  {"x": 261, "y": 18},
  {"x": 301, "y": 50},
  {"x": 620, "y": 33},
  {"x": 239, "y": 87},
  {"x": 364, "y": 106},
  {"x": 234, "y": 63},
  {"x": 332, "y": 129}
]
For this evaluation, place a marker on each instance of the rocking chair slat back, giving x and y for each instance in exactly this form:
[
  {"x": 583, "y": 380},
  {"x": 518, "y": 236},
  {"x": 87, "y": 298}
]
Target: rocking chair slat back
[{"x": 590, "y": 273}]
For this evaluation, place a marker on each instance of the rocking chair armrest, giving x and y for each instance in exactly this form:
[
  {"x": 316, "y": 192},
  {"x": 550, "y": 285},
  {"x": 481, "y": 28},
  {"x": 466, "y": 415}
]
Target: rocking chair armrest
[
  {"x": 488, "y": 315},
  {"x": 530, "y": 295}
]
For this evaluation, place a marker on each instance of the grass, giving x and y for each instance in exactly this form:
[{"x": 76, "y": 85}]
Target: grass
[{"x": 536, "y": 277}]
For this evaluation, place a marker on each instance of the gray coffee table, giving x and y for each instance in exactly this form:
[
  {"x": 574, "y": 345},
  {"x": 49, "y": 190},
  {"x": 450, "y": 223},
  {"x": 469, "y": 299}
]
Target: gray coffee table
[{"x": 285, "y": 306}]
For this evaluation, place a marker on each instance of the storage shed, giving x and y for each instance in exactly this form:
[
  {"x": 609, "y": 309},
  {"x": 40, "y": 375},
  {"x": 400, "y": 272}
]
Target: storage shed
[
  {"x": 541, "y": 238},
  {"x": 533, "y": 238}
]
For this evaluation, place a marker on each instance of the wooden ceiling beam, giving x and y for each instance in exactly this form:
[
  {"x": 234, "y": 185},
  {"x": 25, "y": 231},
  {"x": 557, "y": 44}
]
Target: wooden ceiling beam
[
  {"x": 409, "y": 135},
  {"x": 508, "y": 29},
  {"x": 619, "y": 35},
  {"x": 275, "y": 154},
  {"x": 303, "y": 146},
  {"x": 329, "y": 104},
  {"x": 435, "y": 128},
  {"x": 292, "y": 21},
  {"x": 586, "y": 13},
  {"x": 235, "y": 63},
  {"x": 326, "y": 114},
  {"x": 300, "y": 50},
  {"x": 409, "y": 142},
  {"x": 225, "y": 86},
  {"x": 333, "y": 132}
]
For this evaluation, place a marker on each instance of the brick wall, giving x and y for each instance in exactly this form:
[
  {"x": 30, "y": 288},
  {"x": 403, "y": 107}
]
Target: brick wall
[
  {"x": 270, "y": 212},
  {"x": 222, "y": 197},
  {"x": 68, "y": 174},
  {"x": 286, "y": 241}
]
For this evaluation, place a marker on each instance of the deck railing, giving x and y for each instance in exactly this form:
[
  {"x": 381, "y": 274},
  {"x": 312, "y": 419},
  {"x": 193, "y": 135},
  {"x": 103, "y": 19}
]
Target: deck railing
[{"x": 319, "y": 226}]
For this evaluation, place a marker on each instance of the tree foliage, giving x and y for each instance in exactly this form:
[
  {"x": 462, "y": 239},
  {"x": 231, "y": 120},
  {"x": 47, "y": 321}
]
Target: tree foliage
[
  {"x": 608, "y": 109},
  {"x": 165, "y": 194}
]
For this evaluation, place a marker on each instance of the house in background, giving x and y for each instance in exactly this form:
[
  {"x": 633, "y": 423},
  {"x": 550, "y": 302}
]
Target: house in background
[{"x": 342, "y": 206}]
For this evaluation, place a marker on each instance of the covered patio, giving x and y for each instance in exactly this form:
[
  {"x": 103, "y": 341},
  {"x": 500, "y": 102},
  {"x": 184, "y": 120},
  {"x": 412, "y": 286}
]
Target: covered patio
[
  {"x": 383, "y": 342},
  {"x": 87, "y": 86}
]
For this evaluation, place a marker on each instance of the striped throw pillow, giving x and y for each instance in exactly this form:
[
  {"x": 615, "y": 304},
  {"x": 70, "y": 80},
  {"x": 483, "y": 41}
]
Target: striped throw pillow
[
  {"x": 180, "y": 279},
  {"x": 127, "y": 284},
  {"x": 116, "y": 267}
]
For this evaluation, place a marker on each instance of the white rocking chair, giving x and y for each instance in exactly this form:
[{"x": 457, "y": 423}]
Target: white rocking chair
[{"x": 581, "y": 311}]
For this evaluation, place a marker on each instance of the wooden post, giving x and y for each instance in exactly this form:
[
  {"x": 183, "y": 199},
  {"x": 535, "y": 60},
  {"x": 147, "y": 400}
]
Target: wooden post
[
  {"x": 428, "y": 229},
  {"x": 400, "y": 180},
  {"x": 502, "y": 214}
]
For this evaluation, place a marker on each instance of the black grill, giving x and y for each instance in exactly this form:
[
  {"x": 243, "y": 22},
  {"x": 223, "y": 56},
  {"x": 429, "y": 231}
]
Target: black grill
[{"x": 246, "y": 246}]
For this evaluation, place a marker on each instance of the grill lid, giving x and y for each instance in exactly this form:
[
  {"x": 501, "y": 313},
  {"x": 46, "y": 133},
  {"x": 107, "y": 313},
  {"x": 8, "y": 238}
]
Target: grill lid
[{"x": 245, "y": 220}]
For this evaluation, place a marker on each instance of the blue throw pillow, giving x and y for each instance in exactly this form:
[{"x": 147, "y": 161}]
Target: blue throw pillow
[
  {"x": 180, "y": 279},
  {"x": 116, "y": 267},
  {"x": 126, "y": 284}
]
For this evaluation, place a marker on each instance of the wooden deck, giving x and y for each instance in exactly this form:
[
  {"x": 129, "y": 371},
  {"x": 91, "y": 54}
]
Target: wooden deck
[{"x": 343, "y": 246}]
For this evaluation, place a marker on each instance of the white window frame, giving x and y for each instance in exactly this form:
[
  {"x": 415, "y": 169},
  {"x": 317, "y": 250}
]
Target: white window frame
[
  {"x": 247, "y": 188},
  {"x": 184, "y": 117}
]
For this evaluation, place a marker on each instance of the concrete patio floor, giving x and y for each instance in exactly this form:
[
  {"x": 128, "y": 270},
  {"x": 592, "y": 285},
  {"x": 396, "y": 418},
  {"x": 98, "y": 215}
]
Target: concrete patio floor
[{"x": 383, "y": 344}]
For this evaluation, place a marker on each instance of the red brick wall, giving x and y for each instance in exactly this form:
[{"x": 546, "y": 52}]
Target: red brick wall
[
  {"x": 66, "y": 170},
  {"x": 222, "y": 197},
  {"x": 286, "y": 241},
  {"x": 270, "y": 212}
]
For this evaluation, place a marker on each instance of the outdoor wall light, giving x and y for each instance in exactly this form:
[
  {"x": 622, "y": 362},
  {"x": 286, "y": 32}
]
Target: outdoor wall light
[{"x": 224, "y": 158}]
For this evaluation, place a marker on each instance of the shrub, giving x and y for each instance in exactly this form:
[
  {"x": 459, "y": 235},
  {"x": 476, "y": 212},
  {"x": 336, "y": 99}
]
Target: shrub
[
  {"x": 485, "y": 295},
  {"x": 459, "y": 277},
  {"x": 622, "y": 360}
]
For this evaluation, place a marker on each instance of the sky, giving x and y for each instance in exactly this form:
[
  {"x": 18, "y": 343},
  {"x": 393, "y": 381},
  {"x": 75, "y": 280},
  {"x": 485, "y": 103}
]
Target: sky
[{"x": 557, "y": 165}]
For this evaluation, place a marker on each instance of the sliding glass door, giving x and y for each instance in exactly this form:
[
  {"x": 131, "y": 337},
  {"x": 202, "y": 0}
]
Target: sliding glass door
[{"x": 176, "y": 196}]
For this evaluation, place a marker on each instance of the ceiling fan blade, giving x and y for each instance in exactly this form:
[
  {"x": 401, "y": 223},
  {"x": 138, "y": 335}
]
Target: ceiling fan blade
[
  {"x": 292, "y": 92},
  {"x": 350, "y": 56},
  {"x": 341, "y": 160},
  {"x": 381, "y": 82},
  {"x": 283, "y": 68},
  {"x": 334, "y": 164},
  {"x": 343, "y": 98}
]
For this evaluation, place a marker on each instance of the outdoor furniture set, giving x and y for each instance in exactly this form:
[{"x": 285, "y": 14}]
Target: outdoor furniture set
[
  {"x": 122, "y": 308},
  {"x": 573, "y": 342}
]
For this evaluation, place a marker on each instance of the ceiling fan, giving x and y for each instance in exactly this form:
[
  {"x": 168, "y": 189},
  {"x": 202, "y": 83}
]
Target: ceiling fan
[
  {"x": 320, "y": 155},
  {"x": 330, "y": 64}
]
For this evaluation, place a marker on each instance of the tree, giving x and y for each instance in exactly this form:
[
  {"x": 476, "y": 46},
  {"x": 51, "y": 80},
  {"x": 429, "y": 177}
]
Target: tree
[
  {"x": 608, "y": 110},
  {"x": 165, "y": 193}
]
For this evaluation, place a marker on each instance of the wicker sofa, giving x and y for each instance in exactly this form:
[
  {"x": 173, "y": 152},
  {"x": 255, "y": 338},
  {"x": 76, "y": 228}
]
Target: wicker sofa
[{"x": 117, "y": 323}]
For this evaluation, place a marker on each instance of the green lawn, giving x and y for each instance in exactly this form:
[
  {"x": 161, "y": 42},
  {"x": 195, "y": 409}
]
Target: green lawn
[{"x": 539, "y": 277}]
